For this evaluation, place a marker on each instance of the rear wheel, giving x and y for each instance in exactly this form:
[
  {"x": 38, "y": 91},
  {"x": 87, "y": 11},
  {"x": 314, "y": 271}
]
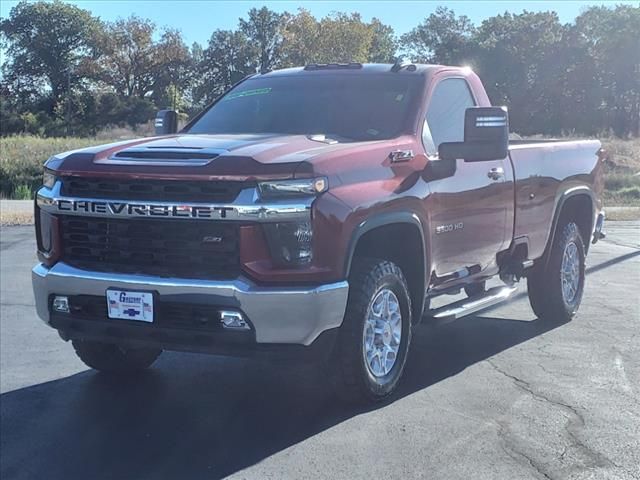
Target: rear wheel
[
  {"x": 475, "y": 289},
  {"x": 107, "y": 357},
  {"x": 555, "y": 289},
  {"x": 374, "y": 338}
]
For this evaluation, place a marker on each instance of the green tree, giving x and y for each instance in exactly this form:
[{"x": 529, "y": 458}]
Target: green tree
[
  {"x": 264, "y": 28},
  {"x": 441, "y": 38},
  {"x": 228, "y": 58},
  {"x": 129, "y": 62},
  {"x": 64, "y": 71},
  {"x": 10, "y": 119},
  {"x": 134, "y": 64},
  {"x": 300, "y": 43},
  {"x": 610, "y": 38},
  {"x": 48, "y": 45},
  {"x": 513, "y": 54},
  {"x": 343, "y": 38},
  {"x": 174, "y": 72},
  {"x": 338, "y": 37},
  {"x": 383, "y": 43}
]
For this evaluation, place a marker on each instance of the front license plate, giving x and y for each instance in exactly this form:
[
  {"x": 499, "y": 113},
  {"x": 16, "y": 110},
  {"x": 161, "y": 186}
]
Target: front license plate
[{"x": 129, "y": 305}]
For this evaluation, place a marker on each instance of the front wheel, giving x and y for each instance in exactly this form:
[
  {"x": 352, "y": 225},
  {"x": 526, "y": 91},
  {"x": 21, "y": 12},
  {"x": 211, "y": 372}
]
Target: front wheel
[
  {"x": 374, "y": 338},
  {"x": 110, "y": 358},
  {"x": 555, "y": 289}
]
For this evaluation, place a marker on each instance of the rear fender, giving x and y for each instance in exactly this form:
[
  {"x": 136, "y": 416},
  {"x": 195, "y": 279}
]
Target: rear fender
[{"x": 561, "y": 202}]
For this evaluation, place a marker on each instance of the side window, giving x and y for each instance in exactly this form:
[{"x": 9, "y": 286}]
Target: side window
[{"x": 445, "y": 114}]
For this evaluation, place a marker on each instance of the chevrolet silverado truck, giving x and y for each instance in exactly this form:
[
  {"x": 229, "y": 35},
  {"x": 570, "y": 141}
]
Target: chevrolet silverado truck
[{"x": 313, "y": 212}]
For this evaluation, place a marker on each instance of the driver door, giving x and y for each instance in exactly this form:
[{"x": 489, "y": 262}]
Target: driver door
[{"x": 468, "y": 209}]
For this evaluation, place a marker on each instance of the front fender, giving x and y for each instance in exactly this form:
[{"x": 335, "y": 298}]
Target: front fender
[{"x": 413, "y": 263}]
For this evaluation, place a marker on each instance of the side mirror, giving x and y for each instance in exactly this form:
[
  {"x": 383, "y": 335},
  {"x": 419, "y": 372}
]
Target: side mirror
[
  {"x": 166, "y": 122},
  {"x": 486, "y": 136}
]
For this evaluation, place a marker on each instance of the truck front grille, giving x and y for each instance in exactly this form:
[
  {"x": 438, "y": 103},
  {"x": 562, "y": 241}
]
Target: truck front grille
[
  {"x": 195, "y": 249},
  {"x": 157, "y": 190}
]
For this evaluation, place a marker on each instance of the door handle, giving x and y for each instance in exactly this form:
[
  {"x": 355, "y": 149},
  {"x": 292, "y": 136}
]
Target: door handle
[{"x": 495, "y": 173}]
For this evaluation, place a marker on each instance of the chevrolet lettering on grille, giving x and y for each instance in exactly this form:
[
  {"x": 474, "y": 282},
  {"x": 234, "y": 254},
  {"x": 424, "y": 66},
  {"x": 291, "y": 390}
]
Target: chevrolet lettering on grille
[
  {"x": 140, "y": 209},
  {"x": 246, "y": 207}
]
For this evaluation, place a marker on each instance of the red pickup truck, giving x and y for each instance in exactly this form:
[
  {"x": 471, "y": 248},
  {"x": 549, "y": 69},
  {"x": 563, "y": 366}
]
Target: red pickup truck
[{"x": 312, "y": 212}]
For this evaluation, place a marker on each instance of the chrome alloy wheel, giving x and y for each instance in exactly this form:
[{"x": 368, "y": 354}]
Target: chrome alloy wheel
[
  {"x": 382, "y": 333},
  {"x": 570, "y": 274}
]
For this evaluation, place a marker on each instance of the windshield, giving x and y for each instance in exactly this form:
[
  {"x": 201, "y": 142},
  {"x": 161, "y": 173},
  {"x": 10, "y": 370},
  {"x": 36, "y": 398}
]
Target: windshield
[{"x": 355, "y": 107}]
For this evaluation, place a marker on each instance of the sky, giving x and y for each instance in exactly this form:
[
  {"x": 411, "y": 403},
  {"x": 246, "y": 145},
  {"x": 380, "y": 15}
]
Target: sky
[{"x": 198, "y": 18}]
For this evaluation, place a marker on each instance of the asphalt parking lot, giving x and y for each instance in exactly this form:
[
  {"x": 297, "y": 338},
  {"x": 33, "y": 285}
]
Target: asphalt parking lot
[{"x": 494, "y": 396}]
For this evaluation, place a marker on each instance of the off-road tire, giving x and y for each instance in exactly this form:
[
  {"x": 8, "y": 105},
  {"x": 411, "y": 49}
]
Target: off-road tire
[
  {"x": 110, "y": 358},
  {"x": 351, "y": 378},
  {"x": 544, "y": 283}
]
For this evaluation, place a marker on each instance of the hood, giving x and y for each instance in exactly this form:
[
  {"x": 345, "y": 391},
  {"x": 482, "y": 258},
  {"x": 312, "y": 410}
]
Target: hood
[{"x": 231, "y": 157}]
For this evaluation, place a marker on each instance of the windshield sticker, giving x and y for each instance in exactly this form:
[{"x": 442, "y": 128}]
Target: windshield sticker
[{"x": 247, "y": 93}]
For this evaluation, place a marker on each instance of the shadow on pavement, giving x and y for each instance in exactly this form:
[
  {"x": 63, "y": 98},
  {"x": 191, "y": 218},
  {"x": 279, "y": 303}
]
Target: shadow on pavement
[{"x": 195, "y": 416}]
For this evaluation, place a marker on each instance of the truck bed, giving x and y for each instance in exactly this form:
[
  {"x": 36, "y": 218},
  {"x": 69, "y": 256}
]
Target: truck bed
[{"x": 567, "y": 164}]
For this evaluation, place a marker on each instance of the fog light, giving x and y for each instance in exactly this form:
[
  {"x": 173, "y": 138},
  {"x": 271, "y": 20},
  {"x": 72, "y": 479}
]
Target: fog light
[
  {"x": 233, "y": 320},
  {"x": 61, "y": 304}
]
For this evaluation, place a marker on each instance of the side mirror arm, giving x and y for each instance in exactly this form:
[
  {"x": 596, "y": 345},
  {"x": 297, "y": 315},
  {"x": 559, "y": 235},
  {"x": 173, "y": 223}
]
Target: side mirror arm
[{"x": 438, "y": 168}]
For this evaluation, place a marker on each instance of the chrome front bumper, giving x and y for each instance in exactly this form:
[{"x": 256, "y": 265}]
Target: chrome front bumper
[{"x": 284, "y": 315}]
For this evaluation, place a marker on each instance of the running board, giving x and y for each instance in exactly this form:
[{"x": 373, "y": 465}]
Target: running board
[{"x": 467, "y": 306}]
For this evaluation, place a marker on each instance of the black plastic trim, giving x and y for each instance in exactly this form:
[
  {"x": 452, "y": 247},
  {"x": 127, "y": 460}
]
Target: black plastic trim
[
  {"x": 384, "y": 220},
  {"x": 560, "y": 201}
]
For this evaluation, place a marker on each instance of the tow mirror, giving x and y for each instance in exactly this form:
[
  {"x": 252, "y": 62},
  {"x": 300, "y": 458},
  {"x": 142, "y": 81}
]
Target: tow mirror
[
  {"x": 166, "y": 122},
  {"x": 486, "y": 136}
]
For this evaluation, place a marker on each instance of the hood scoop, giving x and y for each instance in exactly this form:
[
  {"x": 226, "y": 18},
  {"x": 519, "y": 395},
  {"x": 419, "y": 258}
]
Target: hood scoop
[{"x": 163, "y": 156}]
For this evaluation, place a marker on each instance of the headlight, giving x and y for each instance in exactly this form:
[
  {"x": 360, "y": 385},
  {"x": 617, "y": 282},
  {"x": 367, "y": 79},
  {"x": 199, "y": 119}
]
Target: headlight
[
  {"x": 292, "y": 188},
  {"x": 48, "y": 178},
  {"x": 290, "y": 243}
]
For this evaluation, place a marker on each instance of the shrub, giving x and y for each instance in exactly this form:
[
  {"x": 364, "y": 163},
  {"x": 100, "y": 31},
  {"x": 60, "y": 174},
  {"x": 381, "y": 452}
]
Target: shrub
[
  {"x": 23, "y": 192},
  {"x": 22, "y": 158},
  {"x": 631, "y": 193},
  {"x": 618, "y": 181},
  {"x": 25, "y": 173}
]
